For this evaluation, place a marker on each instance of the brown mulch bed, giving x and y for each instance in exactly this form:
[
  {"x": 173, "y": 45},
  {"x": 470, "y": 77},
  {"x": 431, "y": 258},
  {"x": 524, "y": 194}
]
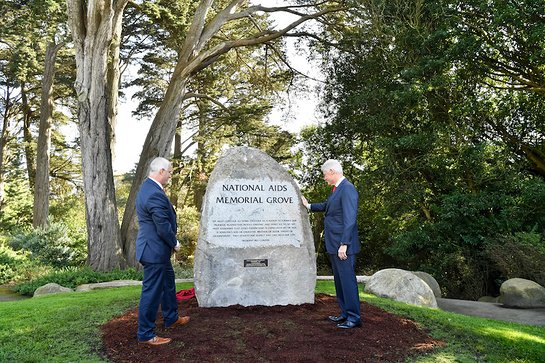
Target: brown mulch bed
[{"x": 294, "y": 333}]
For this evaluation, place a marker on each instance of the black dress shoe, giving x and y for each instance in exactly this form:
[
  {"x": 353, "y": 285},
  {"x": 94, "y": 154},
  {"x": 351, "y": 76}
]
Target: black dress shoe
[
  {"x": 349, "y": 325},
  {"x": 336, "y": 319}
]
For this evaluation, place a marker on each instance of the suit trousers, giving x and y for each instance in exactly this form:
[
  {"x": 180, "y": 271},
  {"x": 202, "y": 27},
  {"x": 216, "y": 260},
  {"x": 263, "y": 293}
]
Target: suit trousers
[
  {"x": 158, "y": 287},
  {"x": 346, "y": 286}
]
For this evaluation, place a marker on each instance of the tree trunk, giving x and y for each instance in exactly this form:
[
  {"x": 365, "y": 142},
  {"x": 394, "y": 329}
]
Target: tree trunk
[
  {"x": 41, "y": 184},
  {"x": 96, "y": 29},
  {"x": 200, "y": 179},
  {"x": 158, "y": 143},
  {"x": 536, "y": 158},
  {"x": 28, "y": 139},
  {"x": 177, "y": 166},
  {"x": 4, "y": 141}
]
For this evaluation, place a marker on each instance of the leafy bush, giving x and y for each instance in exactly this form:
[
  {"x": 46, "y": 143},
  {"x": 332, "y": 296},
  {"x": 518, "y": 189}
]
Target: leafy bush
[
  {"x": 519, "y": 255},
  {"x": 17, "y": 266},
  {"x": 476, "y": 238},
  {"x": 9, "y": 260},
  {"x": 17, "y": 211},
  {"x": 188, "y": 233},
  {"x": 183, "y": 270},
  {"x": 72, "y": 277},
  {"x": 71, "y": 212},
  {"x": 50, "y": 245}
]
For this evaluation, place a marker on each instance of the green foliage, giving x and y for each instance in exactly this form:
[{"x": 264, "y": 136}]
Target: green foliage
[
  {"x": 188, "y": 234},
  {"x": 9, "y": 259},
  {"x": 17, "y": 266},
  {"x": 440, "y": 127},
  {"x": 183, "y": 270},
  {"x": 521, "y": 255},
  {"x": 17, "y": 210},
  {"x": 26, "y": 253},
  {"x": 477, "y": 240},
  {"x": 73, "y": 276},
  {"x": 69, "y": 211},
  {"x": 51, "y": 245}
]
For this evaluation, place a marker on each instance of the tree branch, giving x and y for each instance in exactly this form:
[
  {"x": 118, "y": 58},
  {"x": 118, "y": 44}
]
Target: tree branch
[
  {"x": 210, "y": 56},
  {"x": 207, "y": 97}
]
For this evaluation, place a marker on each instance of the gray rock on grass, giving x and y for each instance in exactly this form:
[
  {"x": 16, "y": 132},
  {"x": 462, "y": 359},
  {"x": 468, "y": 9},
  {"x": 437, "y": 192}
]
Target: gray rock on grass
[
  {"x": 401, "y": 285},
  {"x": 51, "y": 288}
]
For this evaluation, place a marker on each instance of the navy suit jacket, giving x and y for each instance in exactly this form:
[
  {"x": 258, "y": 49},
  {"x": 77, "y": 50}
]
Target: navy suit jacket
[
  {"x": 156, "y": 224},
  {"x": 341, "y": 210}
]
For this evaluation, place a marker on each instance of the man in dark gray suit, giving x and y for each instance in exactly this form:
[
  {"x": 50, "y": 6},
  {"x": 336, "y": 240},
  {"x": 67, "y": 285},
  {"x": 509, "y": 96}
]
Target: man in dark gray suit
[
  {"x": 341, "y": 241},
  {"x": 155, "y": 243}
]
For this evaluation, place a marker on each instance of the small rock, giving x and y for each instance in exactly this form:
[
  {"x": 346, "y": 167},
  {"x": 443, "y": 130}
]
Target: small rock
[{"x": 51, "y": 288}]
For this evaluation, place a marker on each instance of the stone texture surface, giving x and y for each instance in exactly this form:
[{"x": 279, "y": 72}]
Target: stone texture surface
[
  {"x": 401, "y": 285},
  {"x": 431, "y": 281},
  {"x": 522, "y": 293},
  {"x": 220, "y": 275},
  {"x": 51, "y": 288}
]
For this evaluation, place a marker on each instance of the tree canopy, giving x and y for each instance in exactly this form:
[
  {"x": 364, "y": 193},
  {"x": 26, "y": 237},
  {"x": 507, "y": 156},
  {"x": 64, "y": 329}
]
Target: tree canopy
[{"x": 437, "y": 109}]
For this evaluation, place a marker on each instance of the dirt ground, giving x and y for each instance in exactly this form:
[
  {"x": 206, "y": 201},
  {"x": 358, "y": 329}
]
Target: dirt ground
[{"x": 294, "y": 333}]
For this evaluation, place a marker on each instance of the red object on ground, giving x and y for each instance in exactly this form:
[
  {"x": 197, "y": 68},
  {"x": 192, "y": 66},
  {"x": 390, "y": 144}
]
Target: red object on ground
[{"x": 185, "y": 294}]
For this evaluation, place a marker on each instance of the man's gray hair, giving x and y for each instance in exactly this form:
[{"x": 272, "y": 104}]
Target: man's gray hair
[
  {"x": 332, "y": 165},
  {"x": 157, "y": 164}
]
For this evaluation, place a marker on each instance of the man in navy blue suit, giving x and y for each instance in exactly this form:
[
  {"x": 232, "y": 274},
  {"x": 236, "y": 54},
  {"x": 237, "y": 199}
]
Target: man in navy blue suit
[
  {"x": 341, "y": 241},
  {"x": 155, "y": 243}
]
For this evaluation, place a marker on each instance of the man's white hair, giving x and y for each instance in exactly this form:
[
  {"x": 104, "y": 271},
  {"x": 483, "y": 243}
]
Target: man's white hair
[
  {"x": 333, "y": 165},
  {"x": 157, "y": 164}
]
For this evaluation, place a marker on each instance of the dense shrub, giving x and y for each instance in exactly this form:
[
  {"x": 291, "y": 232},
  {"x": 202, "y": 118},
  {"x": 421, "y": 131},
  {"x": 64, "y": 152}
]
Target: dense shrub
[
  {"x": 8, "y": 260},
  {"x": 188, "y": 233},
  {"x": 50, "y": 245},
  {"x": 72, "y": 277},
  {"x": 519, "y": 255},
  {"x": 17, "y": 266},
  {"x": 183, "y": 270},
  {"x": 476, "y": 240},
  {"x": 71, "y": 212},
  {"x": 17, "y": 210}
]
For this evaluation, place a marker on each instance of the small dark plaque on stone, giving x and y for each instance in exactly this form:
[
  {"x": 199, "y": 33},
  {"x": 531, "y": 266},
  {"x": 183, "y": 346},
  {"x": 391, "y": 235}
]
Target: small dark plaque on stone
[{"x": 256, "y": 262}]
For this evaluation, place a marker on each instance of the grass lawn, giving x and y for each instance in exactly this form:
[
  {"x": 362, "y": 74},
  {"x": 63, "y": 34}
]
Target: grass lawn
[{"x": 65, "y": 328}]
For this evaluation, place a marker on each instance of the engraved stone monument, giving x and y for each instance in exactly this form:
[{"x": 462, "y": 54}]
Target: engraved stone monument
[{"x": 255, "y": 243}]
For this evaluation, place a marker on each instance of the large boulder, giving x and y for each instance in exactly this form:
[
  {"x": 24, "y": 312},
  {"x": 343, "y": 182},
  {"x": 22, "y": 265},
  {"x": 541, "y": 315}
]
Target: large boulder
[
  {"x": 402, "y": 286},
  {"x": 51, "y": 288},
  {"x": 522, "y": 293},
  {"x": 255, "y": 243},
  {"x": 432, "y": 283}
]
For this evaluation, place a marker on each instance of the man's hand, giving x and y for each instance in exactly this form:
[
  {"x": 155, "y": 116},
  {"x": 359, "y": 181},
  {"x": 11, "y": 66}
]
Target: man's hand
[
  {"x": 305, "y": 203},
  {"x": 177, "y": 247},
  {"x": 342, "y": 252}
]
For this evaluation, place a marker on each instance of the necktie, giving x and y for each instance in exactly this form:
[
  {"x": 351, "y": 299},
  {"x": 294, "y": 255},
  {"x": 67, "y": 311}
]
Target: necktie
[{"x": 334, "y": 187}]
